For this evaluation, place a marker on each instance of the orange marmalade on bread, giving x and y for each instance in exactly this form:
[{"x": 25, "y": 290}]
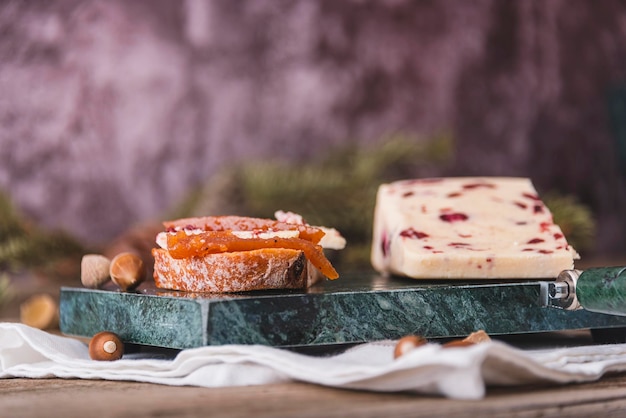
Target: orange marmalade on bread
[
  {"x": 197, "y": 237},
  {"x": 181, "y": 245},
  {"x": 242, "y": 223}
]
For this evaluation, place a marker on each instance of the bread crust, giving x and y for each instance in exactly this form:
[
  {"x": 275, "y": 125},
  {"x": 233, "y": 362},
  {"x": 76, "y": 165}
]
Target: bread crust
[{"x": 263, "y": 269}]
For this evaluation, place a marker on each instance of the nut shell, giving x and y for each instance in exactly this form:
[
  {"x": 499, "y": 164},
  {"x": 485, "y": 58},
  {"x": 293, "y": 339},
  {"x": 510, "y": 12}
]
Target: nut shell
[
  {"x": 408, "y": 343},
  {"x": 106, "y": 346},
  {"x": 127, "y": 271},
  {"x": 94, "y": 270}
]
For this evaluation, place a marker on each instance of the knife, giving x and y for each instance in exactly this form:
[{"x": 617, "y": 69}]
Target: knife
[{"x": 601, "y": 290}]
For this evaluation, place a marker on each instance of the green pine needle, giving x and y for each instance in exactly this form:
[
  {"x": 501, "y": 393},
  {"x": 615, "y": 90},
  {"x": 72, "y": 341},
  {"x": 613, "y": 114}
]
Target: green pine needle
[
  {"x": 6, "y": 290},
  {"x": 24, "y": 246},
  {"x": 575, "y": 219}
]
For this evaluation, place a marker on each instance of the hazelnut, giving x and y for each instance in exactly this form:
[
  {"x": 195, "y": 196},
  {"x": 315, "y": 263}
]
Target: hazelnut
[
  {"x": 40, "y": 311},
  {"x": 408, "y": 343},
  {"x": 94, "y": 270},
  {"x": 474, "y": 338},
  {"x": 479, "y": 336},
  {"x": 457, "y": 343},
  {"x": 127, "y": 271},
  {"x": 106, "y": 346}
]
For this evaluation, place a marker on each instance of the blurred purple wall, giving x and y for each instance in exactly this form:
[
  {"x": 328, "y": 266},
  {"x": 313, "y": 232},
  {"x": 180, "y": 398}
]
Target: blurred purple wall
[{"x": 110, "y": 110}]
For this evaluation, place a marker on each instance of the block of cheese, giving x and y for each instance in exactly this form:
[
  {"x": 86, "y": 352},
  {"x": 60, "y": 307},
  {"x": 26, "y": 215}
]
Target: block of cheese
[{"x": 467, "y": 228}]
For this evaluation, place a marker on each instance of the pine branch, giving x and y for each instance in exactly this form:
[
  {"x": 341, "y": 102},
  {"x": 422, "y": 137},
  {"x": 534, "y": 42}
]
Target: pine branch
[
  {"x": 575, "y": 219},
  {"x": 24, "y": 246}
]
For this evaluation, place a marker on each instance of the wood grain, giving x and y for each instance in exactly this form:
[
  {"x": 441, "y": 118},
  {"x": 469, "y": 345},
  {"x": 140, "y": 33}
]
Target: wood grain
[{"x": 80, "y": 398}]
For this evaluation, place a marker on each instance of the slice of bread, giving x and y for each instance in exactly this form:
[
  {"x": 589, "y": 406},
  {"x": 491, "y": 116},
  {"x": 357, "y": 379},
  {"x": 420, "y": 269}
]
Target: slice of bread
[{"x": 263, "y": 269}]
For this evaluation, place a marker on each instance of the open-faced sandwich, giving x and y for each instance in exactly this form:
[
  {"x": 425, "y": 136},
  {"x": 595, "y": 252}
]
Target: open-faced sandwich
[{"x": 235, "y": 253}]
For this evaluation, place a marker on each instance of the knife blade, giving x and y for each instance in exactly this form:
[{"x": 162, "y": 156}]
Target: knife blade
[{"x": 600, "y": 289}]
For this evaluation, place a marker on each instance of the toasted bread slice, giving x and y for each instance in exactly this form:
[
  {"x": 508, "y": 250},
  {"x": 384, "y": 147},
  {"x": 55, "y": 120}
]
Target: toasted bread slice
[{"x": 263, "y": 269}]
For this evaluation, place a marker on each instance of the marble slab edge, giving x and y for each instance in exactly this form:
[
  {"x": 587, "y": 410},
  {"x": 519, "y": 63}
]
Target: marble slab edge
[{"x": 363, "y": 310}]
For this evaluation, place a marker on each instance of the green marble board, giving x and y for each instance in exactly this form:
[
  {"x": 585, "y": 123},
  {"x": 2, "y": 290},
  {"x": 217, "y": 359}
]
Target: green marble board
[{"x": 354, "y": 309}]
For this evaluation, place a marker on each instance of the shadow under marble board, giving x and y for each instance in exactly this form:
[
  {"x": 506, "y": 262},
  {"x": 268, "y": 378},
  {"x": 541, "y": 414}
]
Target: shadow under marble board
[{"x": 353, "y": 309}]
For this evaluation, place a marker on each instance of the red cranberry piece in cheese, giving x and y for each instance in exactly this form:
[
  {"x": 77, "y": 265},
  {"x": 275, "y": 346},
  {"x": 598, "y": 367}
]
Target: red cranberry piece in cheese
[
  {"x": 544, "y": 226},
  {"x": 520, "y": 205},
  {"x": 408, "y": 194},
  {"x": 558, "y": 236},
  {"x": 531, "y": 196},
  {"x": 412, "y": 233},
  {"x": 538, "y": 209},
  {"x": 453, "y": 217},
  {"x": 535, "y": 241}
]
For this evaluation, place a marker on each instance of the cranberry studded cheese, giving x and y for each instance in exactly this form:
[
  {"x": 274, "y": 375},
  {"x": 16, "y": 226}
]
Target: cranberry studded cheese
[{"x": 467, "y": 228}]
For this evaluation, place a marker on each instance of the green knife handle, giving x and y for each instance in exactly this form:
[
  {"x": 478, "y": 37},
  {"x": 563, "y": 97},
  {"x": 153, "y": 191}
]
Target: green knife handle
[{"x": 603, "y": 290}]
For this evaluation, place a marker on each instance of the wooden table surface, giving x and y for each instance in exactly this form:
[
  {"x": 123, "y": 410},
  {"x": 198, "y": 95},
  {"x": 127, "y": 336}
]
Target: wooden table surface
[{"x": 90, "y": 398}]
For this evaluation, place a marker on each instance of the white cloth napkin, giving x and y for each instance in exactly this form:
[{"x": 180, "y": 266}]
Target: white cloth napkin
[{"x": 461, "y": 373}]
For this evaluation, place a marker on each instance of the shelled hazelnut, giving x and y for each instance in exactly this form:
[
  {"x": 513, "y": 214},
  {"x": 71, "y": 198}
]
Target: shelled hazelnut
[
  {"x": 458, "y": 343},
  {"x": 94, "y": 270},
  {"x": 476, "y": 337}
]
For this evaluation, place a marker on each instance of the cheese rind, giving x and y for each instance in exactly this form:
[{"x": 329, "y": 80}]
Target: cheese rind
[{"x": 467, "y": 228}]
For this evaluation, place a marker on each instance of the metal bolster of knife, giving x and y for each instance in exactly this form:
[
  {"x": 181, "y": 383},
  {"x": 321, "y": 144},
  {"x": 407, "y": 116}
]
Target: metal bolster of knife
[{"x": 561, "y": 293}]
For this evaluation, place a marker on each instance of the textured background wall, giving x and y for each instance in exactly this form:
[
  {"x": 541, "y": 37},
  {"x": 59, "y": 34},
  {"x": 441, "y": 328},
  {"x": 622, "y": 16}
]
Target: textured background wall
[{"x": 110, "y": 110}]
